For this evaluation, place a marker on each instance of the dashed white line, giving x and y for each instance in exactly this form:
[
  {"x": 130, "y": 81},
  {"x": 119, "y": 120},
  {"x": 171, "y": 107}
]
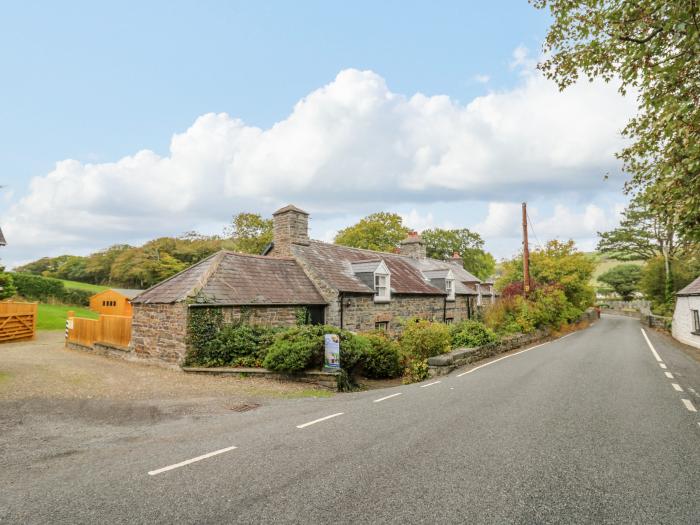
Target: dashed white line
[
  {"x": 689, "y": 405},
  {"x": 651, "y": 347},
  {"x": 662, "y": 366},
  {"x": 431, "y": 384},
  {"x": 677, "y": 387},
  {"x": 189, "y": 461},
  {"x": 319, "y": 420},
  {"x": 669, "y": 375},
  {"x": 386, "y": 397}
]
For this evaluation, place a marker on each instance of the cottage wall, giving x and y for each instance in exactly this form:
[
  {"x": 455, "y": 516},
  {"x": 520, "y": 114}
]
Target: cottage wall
[
  {"x": 361, "y": 313},
  {"x": 158, "y": 331},
  {"x": 682, "y": 326},
  {"x": 283, "y": 316}
]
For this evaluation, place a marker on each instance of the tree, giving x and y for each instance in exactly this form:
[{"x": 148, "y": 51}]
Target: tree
[
  {"x": 557, "y": 264},
  {"x": 442, "y": 244},
  {"x": 683, "y": 271},
  {"x": 249, "y": 233},
  {"x": 645, "y": 232},
  {"x": 380, "y": 231},
  {"x": 7, "y": 287},
  {"x": 653, "y": 48},
  {"x": 623, "y": 279}
]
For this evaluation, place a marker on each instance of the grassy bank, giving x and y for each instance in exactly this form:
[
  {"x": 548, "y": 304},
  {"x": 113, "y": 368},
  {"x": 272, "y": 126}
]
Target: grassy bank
[
  {"x": 84, "y": 286},
  {"x": 53, "y": 316}
]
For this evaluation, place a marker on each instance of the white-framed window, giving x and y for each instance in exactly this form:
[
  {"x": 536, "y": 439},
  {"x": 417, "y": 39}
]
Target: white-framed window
[
  {"x": 382, "y": 287},
  {"x": 381, "y": 325},
  {"x": 696, "y": 322},
  {"x": 450, "y": 289}
]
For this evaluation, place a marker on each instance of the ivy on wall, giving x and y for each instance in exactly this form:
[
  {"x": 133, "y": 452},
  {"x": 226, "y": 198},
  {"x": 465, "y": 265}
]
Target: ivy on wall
[{"x": 203, "y": 323}]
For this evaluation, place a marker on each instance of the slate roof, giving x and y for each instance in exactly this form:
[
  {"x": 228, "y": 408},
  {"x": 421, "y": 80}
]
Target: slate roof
[
  {"x": 3, "y": 242},
  {"x": 692, "y": 289},
  {"x": 336, "y": 265},
  {"x": 127, "y": 292},
  {"x": 229, "y": 278}
]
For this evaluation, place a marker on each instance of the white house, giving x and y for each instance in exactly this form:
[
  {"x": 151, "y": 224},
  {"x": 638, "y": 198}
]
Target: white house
[{"x": 686, "y": 318}]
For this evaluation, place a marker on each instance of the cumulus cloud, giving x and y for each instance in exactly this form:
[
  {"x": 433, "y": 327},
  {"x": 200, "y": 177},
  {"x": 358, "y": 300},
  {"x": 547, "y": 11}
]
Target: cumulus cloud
[{"x": 346, "y": 144}]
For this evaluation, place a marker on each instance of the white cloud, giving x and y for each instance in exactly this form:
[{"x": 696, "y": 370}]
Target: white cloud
[
  {"x": 482, "y": 79},
  {"x": 348, "y": 144}
]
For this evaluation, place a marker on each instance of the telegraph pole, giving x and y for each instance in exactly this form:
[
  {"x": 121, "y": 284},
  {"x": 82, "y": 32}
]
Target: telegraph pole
[{"x": 526, "y": 254}]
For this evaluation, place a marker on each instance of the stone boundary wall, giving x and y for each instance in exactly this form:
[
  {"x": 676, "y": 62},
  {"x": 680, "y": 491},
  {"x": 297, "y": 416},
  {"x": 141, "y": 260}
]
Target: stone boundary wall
[
  {"x": 444, "y": 364},
  {"x": 325, "y": 379},
  {"x": 657, "y": 321},
  {"x": 627, "y": 313}
]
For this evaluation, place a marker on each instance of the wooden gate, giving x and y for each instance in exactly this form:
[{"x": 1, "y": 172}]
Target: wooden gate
[
  {"x": 17, "y": 320},
  {"x": 110, "y": 329}
]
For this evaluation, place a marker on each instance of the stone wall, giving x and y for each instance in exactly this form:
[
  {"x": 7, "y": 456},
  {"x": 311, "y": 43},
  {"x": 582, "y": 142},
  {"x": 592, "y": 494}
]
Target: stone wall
[
  {"x": 261, "y": 315},
  {"x": 159, "y": 331},
  {"x": 360, "y": 312}
]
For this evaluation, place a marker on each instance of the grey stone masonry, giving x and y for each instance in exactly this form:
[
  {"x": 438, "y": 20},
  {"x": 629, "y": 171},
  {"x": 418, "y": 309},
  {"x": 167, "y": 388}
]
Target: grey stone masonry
[
  {"x": 413, "y": 246},
  {"x": 290, "y": 226},
  {"x": 285, "y": 316},
  {"x": 159, "y": 331}
]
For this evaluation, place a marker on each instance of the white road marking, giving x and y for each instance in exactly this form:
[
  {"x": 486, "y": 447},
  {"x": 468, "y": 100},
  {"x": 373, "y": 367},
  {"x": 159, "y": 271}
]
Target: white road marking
[
  {"x": 689, "y": 405},
  {"x": 387, "y": 397},
  {"x": 677, "y": 387},
  {"x": 662, "y": 366},
  {"x": 189, "y": 461},
  {"x": 431, "y": 384},
  {"x": 320, "y": 419},
  {"x": 651, "y": 347},
  {"x": 669, "y": 375}
]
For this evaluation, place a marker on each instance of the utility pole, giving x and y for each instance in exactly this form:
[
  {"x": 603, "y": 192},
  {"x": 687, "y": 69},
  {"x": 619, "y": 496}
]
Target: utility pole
[{"x": 526, "y": 254}]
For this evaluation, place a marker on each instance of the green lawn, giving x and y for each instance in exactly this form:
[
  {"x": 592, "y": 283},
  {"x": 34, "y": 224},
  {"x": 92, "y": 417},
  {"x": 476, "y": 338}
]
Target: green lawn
[
  {"x": 84, "y": 286},
  {"x": 53, "y": 316}
]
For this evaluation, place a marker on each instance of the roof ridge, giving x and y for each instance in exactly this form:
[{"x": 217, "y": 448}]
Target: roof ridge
[
  {"x": 202, "y": 281},
  {"x": 256, "y": 256}
]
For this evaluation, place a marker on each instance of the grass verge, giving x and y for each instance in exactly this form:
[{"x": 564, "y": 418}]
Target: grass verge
[{"x": 53, "y": 316}]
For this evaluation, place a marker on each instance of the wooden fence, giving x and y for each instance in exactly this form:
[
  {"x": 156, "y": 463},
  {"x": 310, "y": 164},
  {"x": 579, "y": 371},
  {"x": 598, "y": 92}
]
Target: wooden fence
[
  {"x": 17, "y": 320},
  {"x": 110, "y": 329}
]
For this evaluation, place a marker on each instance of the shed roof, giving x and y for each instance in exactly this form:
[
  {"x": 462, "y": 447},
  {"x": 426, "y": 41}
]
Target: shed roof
[
  {"x": 229, "y": 278},
  {"x": 129, "y": 293},
  {"x": 3, "y": 242},
  {"x": 692, "y": 289}
]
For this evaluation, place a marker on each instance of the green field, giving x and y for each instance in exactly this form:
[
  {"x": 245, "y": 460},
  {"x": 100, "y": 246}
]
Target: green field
[
  {"x": 84, "y": 286},
  {"x": 604, "y": 263},
  {"x": 53, "y": 316}
]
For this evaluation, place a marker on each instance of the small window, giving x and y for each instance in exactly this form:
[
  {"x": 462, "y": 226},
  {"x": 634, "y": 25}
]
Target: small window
[
  {"x": 104, "y": 303},
  {"x": 381, "y": 287},
  {"x": 696, "y": 322},
  {"x": 382, "y": 325},
  {"x": 449, "y": 320},
  {"x": 450, "y": 289}
]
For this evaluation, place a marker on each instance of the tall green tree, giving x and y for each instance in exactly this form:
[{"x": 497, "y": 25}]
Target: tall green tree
[
  {"x": 442, "y": 244},
  {"x": 249, "y": 233},
  {"x": 623, "y": 279},
  {"x": 652, "y": 47},
  {"x": 380, "y": 231},
  {"x": 7, "y": 286},
  {"x": 647, "y": 231}
]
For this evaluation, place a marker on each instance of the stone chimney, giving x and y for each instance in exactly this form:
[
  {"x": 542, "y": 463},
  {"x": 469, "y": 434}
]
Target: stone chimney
[
  {"x": 413, "y": 246},
  {"x": 290, "y": 226}
]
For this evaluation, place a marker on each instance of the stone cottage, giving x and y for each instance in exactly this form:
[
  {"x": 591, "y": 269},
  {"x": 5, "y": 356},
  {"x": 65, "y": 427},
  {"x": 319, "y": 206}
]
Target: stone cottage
[
  {"x": 352, "y": 288},
  {"x": 686, "y": 316}
]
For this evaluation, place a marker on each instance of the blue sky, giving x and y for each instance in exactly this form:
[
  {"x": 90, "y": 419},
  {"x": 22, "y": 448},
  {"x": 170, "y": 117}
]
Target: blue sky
[{"x": 96, "y": 83}]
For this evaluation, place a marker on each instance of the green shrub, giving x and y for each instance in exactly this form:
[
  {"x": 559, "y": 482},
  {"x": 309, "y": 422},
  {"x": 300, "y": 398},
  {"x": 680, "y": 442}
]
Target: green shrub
[
  {"x": 471, "y": 334},
  {"x": 203, "y": 325},
  {"x": 382, "y": 359},
  {"x": 422, "y": 339},
  {"x": 417, "y": 370},
  {"x": 45, "y": 289},
  {"x": 7, "y": 287},
  {"x": 235, "y": 345}
]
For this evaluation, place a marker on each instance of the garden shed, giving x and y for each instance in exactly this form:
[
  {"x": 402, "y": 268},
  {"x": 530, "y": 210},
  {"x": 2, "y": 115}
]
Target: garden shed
[
  {"x": 270, "y": 291},
  {"x": 115, "y": 301}
]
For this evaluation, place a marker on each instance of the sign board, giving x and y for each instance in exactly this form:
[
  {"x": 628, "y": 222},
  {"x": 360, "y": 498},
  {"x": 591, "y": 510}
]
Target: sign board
[
  {"x": 332, "y": 351},
  {"x": 69, "y": 324}
]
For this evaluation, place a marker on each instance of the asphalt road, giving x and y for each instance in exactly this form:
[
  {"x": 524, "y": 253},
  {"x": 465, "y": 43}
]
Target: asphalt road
[{"x": 585, "y": 429}]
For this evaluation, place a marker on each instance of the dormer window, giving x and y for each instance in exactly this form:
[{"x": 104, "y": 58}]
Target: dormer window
[
  {"x": 376, "y": 275},
  {"x": 450, "y": 289},
  {"x": 382, "y": 284}
]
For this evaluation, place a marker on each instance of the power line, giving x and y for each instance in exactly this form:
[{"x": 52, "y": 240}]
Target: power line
[{"x": 533, "y": 232}]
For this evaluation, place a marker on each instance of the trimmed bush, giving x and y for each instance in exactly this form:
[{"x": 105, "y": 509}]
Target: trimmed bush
[
  {"x": 382, "y": 359},
  {"x": 45, "y": 289},
  {"x": 423, "y": 339},
  {"x": 235, "y": 345},
  {"x": 417, "y": 370},
  {"x": 471, "y": 334}
]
